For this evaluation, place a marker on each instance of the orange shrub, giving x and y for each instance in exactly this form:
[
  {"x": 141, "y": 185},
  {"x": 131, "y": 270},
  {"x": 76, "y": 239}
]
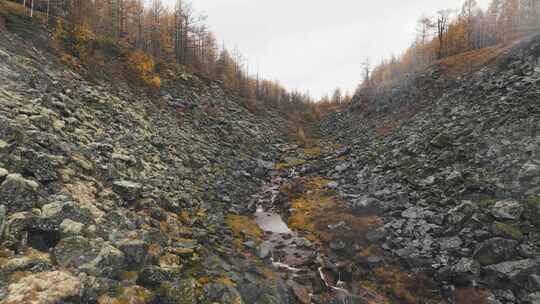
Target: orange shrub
[{"x": 143, "y": 66}]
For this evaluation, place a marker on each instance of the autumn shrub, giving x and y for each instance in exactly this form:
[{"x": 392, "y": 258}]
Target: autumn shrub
[
  {"x": 77, "y": 40},
  {"x": 143, "y": 67}
]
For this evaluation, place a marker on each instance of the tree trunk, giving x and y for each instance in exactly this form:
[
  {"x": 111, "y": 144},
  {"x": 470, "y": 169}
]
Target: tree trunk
[{"x": 2, "y": 24}]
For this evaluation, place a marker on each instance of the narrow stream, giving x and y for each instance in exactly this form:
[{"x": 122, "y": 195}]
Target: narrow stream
[{"x": 299, "y": 260}]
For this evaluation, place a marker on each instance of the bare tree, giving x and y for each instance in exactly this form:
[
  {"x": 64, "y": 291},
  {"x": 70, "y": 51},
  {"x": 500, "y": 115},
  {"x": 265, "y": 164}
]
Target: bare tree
[
  {"x": 443, "y": 20},
  {"x": 366, "y": 70},
  {"x": 424, "y": 29}
]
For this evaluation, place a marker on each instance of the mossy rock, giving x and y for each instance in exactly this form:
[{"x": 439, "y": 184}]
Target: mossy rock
[
  {"x": 486, "y": 203},
  {"x": 532, "y": 209},
  {"x": 509, "y": 230}
]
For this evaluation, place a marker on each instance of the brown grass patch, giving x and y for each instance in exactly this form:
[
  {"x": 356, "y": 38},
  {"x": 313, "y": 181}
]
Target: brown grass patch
[
  {"x": 244, "y": 228},
  {"x": 470, "y": 295},
  {"x": 405, "y": 287}
]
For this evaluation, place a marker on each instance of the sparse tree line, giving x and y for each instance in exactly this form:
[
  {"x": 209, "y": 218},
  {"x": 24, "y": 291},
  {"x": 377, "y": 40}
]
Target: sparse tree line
[
  {"x": 450, "y": 33},
  {"x": 179, "y": 34}
]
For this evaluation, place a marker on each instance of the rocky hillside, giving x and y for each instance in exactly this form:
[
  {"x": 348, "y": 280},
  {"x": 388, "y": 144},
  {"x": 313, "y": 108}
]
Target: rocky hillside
[
  {"x": 451, "y": 163},
  {"x": 112, "y": 196}
]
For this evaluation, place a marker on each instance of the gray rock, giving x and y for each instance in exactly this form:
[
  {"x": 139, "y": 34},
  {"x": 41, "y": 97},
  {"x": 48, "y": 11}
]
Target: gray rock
[
  {"x": 135, "y": 252},
  {"x": 459, "y": 214},
  {"x": 154, "y": 276},
  {"x": 413, "y": 213},
  {"x": 265, "y": 250},
  {"x": 18, "y": 194},
  {"x": 495, "y": 250},
  {"x": 507, "y": 210},
  {"x": 221, "y": 293},
  {"x": 367, "y": 206},
  {"x": 450, "y": 243},
  {"x": 464, "y": 272},
  {"x": 342, "y": 167},
  {"x": 180, "y": 292},
  {"x": 2, "y": 220},
  {"x": 127, "y": 190},
  {"x": 518, "y": 273}
]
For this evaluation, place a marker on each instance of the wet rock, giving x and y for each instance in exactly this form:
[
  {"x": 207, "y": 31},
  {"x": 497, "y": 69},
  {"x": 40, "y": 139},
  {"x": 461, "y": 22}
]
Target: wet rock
[
  {"x": 45, "y": 287},
  {"x": 265, "y": 250},
  {"x": 495, "y": 250},
  {"x": 18, "y": 194}
]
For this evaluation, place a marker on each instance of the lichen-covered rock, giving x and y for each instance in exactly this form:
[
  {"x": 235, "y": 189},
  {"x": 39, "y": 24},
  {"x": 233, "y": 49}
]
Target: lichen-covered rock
[
  {"x": 507, "y": 210},
  {"x": 179, "y": 292},
  {"x": 135, "y": 252},
  {"x": 221, "y": 293},
  {"x": 43, "y": 288},
  {"x": 127, "y": 190},
  {"x": 93, "y": 257},
  {"x": 18, "y": 194}
]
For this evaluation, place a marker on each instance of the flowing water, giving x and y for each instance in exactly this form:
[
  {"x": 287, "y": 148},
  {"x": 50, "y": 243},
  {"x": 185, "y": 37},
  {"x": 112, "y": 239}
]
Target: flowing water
[{"x": 294, "y": 256}]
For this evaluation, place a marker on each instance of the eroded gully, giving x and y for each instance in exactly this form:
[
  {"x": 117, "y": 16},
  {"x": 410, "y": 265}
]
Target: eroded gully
[{"x": 300, "y": 216}]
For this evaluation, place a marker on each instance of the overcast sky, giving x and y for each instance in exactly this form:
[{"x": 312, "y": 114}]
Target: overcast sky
[{"x": 315, "y": 45}]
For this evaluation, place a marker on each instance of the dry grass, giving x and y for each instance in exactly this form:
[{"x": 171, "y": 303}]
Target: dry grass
[
  {"x": 244, "y": 228},
  {"x": 318, "y": 207},
  {"x": 469, "y": 296},
  {"x": 471, "y": 61},
  {"x": 406, "y": 288}
]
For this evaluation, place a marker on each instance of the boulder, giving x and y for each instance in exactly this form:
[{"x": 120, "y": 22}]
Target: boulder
[
  {"x": 135, "y": 252},
  {"x": 127, "y": 190},
  {"x": 495, "y": 250},
  {"x": 367, "y": 206},
  {"x": 93, "y": 257},
  {"x": 221, "y": 293},
  {"x": 154, "y": 276},
  {"x": 179, "y": 292},
  {"x": 463, "y": 272},
  {"x": 43, "y": 288},
  {"x": 18, "y": 194},
  {"x": 461, "y": 213},
  {"x": 520, "y": 274},
  {"x": 507, "y": 210}
]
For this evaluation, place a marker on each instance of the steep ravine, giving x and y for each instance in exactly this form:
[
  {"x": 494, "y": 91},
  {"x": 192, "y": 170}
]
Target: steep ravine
[{"x": 321, "y": 247}]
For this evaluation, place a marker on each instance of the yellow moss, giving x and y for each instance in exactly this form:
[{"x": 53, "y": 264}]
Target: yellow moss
[
  {"x": 243, "y": 225},
  {"x": 317, "y": 183},
  {"x": 154, "y": 250},
  {"x": 316, "y": 151},
  {"x": 226, "y": 281},
  {"x": 291, "y": 163},
  {"x": 128, "y": 275}
]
